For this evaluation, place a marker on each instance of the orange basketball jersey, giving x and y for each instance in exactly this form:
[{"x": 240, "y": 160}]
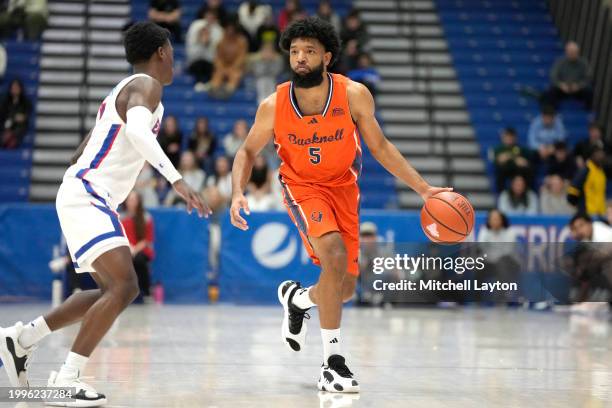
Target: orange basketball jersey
[{"x": 321, "y": 149}]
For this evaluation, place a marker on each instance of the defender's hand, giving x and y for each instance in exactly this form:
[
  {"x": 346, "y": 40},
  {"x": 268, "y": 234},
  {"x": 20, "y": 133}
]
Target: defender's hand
[
  {"x": 239, "y": 202},
  {"x": 192, "y": 198},
  {"x": 431, "y": 191}
]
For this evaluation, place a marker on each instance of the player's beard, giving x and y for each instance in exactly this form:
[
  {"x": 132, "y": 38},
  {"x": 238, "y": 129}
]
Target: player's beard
[{"x": 309, "y": 79}]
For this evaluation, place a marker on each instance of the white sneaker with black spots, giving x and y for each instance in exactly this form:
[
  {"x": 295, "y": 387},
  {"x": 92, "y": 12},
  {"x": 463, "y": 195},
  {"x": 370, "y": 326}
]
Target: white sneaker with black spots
[{"x": 336, "y": 376}]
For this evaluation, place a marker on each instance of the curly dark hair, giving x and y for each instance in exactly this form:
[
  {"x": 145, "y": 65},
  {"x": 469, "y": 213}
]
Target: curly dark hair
[
  {"x": 142, "y": 40},
  {"x": 312, "y": 27}
]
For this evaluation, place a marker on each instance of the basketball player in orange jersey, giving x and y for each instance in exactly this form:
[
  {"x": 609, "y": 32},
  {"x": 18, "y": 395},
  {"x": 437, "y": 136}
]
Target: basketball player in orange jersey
[{"x": 316, "y": 121}]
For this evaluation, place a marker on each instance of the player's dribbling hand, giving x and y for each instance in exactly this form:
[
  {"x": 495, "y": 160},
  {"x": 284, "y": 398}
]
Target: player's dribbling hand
[
  {"x": 239, "y": 202},
  {"x": 431, "y": 191},
  {"x": 192, "y": 199}
]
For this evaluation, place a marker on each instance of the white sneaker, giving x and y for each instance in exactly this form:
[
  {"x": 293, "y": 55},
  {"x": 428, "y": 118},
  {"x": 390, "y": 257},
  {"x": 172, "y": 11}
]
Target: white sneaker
[
  {"x": 293, "y": 330},
  {"x": 336, "y": 376},
  {"x": 86, "y": 395},
  {"x": 14, "y": 357}
]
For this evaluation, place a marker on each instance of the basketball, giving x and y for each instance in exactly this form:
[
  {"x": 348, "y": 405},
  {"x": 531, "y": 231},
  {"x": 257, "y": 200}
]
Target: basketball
[{"x": 447, "y": 217}]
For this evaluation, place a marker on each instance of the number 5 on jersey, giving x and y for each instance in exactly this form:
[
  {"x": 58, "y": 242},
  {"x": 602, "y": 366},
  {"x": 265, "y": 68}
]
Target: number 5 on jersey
[{"x": 315, "y": 155}]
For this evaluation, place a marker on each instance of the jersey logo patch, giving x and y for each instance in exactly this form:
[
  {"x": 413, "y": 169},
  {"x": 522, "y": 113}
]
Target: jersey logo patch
[
  {"x": 155, "y": 129},
  {"x": 316, "y": 216},
  {"x": 337, "y": 112},
  {"x": 101, "y": 110},
  {"x": 313, "y": 121}
]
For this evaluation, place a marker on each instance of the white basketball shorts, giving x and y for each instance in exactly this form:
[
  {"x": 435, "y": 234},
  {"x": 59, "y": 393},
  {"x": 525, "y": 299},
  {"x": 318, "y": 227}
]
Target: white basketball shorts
[{"x": 89, "y": 222}]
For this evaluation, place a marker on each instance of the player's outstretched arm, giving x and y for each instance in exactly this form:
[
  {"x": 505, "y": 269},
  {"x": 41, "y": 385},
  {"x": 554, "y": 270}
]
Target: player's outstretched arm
[
  {"x": 362, "y": 110},
  {"x": 143, "y": 96},
  {"x": 260, "y": 134}
]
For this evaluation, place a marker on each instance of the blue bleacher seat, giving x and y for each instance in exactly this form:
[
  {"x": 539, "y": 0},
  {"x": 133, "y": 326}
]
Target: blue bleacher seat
[
  {"x": 23, "y": 63},
  {"x": 500, "y": 47}
]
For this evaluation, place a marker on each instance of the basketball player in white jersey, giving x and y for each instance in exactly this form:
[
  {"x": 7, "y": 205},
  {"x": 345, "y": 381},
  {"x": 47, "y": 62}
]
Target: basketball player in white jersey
[{"x": 103, "y": 173}]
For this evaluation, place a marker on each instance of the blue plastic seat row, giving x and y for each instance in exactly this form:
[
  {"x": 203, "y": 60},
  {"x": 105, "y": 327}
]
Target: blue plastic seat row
[
  {"x": 508, "y": 28},
  {"x": 485, "y": 59},
  {"x": 486, "y": 43}
]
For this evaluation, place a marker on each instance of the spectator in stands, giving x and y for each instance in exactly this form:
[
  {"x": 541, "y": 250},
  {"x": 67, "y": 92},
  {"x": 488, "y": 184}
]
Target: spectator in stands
[
  {"x": 171, "y": 138},
  {"x": 327, "y": 13},
  {"x": 584, "y": 146},
  {"x": 518, "y": 199},
  {"x": 267, "y": 32},
  {"x": 167, "y": 14},
  {"x": 588, "y": 188},
  {"x": 584, "y": 229},
  {"x": 365, "y": 73},
  {"x": 511, "y": 159},
  {"x": 229, "y": 62},
  {"x": 546, "y": 129},
  {"x": 266, "y": 66},
  {"x": 203, "y": 144},
  {"x": 145, "y": 186},
  {"x": 561, "y": 162},
  {"x": 15, "y": 112},
  {"x": 30, "y": 15},
  {"x": 252, "y": 15},
  {"x": 609, "y": 213},
  {"x": 233, "y": 140},
  {"x": 218, "y": 192},
  {"x": 570, "y": 78},
  {"x": 216, "y": 6},
  {"x": 292, "y": 11},
  {"x": 497, "y": 228},
  {"x": 193, "y": 176},
  {"x": 203, "y": 37},
  {"x": 140, "y": 232},
  {"x": 553, "y": 196},
  {"x": 349, "y": 59},
  {"x": 3, "y": 62},
  {"x": 590, "y": 266},
  {"x": 354, "y": 29},
  {"x": 259, "y": 193},
  {"x": 497, "y": 240}
]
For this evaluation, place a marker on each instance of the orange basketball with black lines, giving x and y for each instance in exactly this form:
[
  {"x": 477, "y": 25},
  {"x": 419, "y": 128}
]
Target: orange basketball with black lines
[{"x": 447, "y": 217}]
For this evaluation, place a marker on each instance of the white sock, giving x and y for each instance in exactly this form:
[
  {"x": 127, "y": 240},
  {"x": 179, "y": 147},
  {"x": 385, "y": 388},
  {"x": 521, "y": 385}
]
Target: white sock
[
  {"x": 74, "y": 366},
  {"x": 302, "y": 299},
  {"x": 33, "y": 332},
  {"x": 331, "y": 343}
]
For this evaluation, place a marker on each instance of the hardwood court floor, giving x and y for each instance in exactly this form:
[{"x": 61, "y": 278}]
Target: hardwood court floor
[{"x": 231, "y": 357}]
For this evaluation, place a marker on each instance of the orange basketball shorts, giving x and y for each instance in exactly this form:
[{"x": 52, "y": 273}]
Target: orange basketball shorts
[{"x": 318, "y": 210}]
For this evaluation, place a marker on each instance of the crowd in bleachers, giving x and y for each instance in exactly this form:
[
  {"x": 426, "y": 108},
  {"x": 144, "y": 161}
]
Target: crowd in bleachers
[
  {"x": 548, "y": 175},
  {"x": 223, "y": 46}
]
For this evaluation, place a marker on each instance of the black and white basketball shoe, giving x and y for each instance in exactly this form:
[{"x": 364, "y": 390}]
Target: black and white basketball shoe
[
  {"x": 293, "y": 330},
  {"x": 336, "y": 376},
  {"x": 14, "y": 357},
  {"x": 85, "y": 395}
]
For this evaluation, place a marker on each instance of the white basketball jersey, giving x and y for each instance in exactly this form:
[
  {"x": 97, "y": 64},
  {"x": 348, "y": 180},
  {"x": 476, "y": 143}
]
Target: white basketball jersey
[{"x": 109, "y": 161}]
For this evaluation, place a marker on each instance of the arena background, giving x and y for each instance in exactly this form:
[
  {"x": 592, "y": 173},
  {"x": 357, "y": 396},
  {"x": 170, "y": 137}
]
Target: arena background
[{"x": 448, "y": 75}]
